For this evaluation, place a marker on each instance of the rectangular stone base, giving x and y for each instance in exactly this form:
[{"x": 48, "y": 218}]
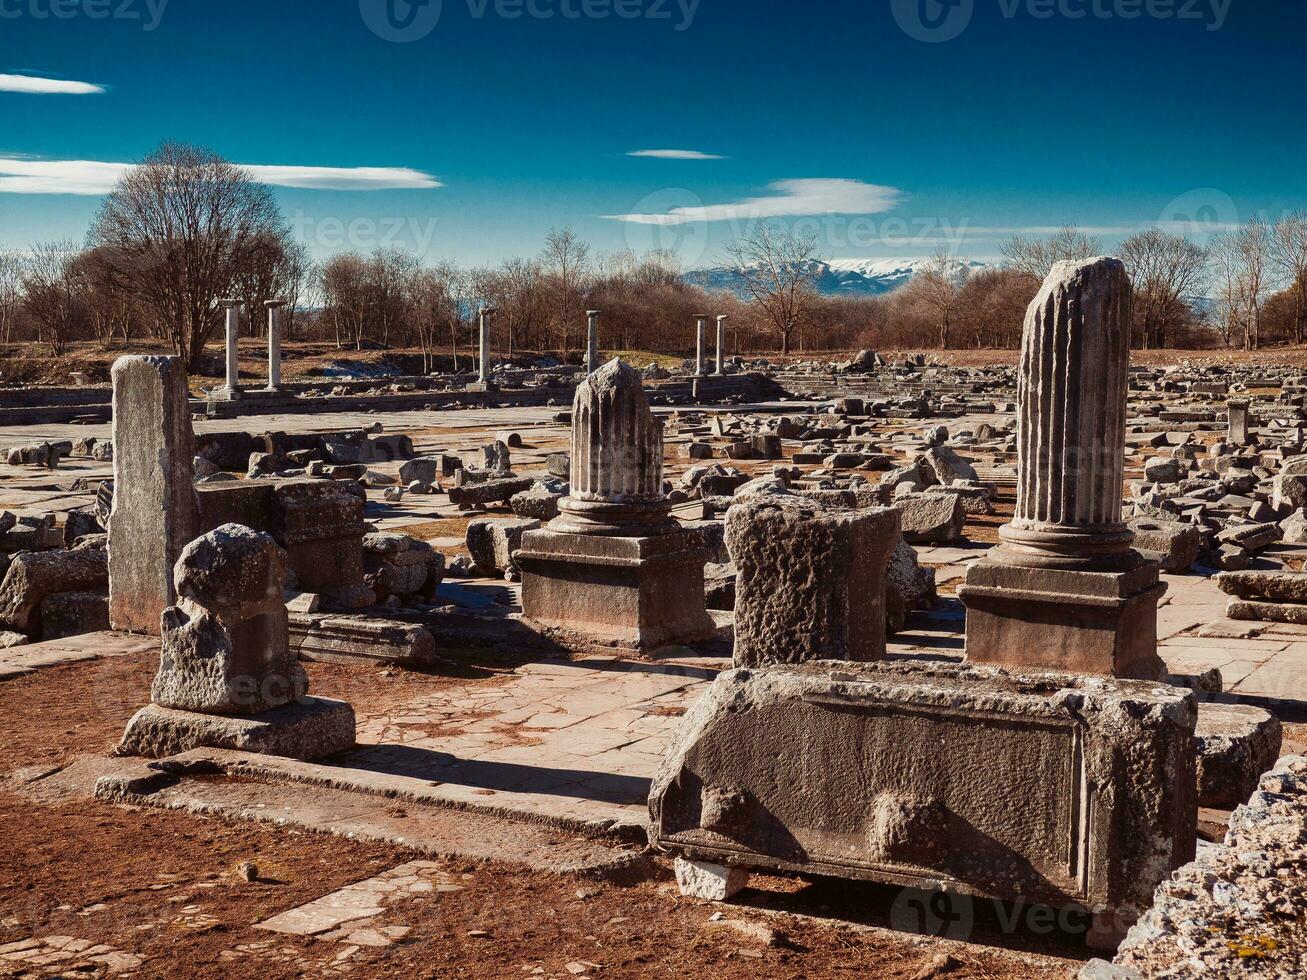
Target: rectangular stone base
[
  {"x": 1081, "y": 622},
  {"x": 312, "y": 728},
  {"x": 1041, "y": 788},
  {"x": 360, "y": 640},
  {"x": 637, "y": 592}
]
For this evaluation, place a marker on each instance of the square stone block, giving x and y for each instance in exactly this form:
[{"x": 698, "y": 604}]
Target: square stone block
[
  {"x": 1081, "y": 622},
  {"x": 638, "y": 592}
]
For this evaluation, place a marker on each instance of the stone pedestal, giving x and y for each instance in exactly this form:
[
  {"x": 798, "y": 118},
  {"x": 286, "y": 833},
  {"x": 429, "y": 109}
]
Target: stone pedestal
[
  {"x": 639, "y": 592},
  {"x": 1052, "y": 619},
  {"x": 1064, "y": 589},
  {"x": 308, "y": 729}
]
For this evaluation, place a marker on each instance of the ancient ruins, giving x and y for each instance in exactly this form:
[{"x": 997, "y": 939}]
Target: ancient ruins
[{"x": 981, "y": 639}]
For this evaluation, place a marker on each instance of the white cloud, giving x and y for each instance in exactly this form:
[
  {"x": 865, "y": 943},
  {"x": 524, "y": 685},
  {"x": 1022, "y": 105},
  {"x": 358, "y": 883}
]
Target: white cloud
[
  {"x": 676, "y": 155},
  {"x": 35, "y": 85},
  {"x": 92, "y": 177},
  {"x": 805, "y": 196}
]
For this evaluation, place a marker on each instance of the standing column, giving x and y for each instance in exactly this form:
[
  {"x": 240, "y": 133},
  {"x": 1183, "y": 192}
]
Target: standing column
[
  {"x": 274, "y": 343},
  {"x": 721, "y": 345},
  {"x": 701, "y": 320},
  {"x": 592, "y": 341},
  {"x": 231, "y": 391},
  {"x": 1064, "y": 590},
  {"x": 1238, "y": 428},
  {"x": 483, "y": 373}
]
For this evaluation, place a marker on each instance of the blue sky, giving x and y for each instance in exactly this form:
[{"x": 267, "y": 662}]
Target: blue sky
[{"x": 885, "y": 126}]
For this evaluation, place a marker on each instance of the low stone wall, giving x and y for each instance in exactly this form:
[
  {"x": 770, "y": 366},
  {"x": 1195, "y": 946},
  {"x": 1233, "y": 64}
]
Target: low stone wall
[{"x": 1238, "y": 909}]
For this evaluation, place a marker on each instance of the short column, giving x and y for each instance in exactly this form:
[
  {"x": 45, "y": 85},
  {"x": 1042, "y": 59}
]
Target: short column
[
  {"x": 592, "y": 341},
  {"x": 721, "y": 345},
  {"x": 274, "y": 343},
  {"x": 1238, "y": 434},
  {"x": 701, "y": 329}
]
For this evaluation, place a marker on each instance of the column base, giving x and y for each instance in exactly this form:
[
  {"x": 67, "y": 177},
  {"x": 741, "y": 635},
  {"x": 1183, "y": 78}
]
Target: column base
[
  {"x": 641, "y": 592},
  {"x": 225, "y": 393},
  {"x": 1052, "y": 619},
  {"x": 481, "y": 386}
]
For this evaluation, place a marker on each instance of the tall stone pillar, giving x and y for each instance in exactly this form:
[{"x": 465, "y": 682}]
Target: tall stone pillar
[
  {"x": 483, "y": 382},
  {"x": 1064, "y": 590},
  {"x": 274, "y": 343},
  {"x": 231, "y": 389},
  {"x": 592, "y": 341},
  {"x": 1238, "y": 433},
  {"x": 700, "y": 339},
  {"x": 154, "y": 513},
  {"x": 721, "y": 345},
  {"x": 615, "y": 565}
]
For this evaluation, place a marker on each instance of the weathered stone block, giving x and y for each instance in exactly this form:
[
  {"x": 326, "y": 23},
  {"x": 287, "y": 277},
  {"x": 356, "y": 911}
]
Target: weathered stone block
[
  {"x": 34, "y": 575},
  {"x": 1049, "y": 788},
  {"x": 492, "y": 542},
  {"x": 1236, "y": 743},
  {"x": 811, "y": 580},
  {"x": 312, "y": 728},
  {"x": 931, "y": 517},
  {"x": 154, "y": 510}
]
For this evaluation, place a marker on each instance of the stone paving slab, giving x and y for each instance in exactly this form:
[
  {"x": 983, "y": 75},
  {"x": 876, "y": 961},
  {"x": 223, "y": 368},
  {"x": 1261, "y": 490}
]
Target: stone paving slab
[{"x": 23, "y": 660}]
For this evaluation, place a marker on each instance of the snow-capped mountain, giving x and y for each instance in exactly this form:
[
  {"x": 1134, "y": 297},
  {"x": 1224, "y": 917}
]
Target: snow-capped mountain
[{"x": 838, "y": 277}]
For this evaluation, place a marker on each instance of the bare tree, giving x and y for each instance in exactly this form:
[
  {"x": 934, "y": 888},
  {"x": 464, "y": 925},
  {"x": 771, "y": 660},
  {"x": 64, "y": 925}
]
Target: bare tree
[
  {"x": 1253, "y": 242},
  {"x": 778, "y": 270},
  {"x": 938, "y": 285},
  {"x": 11, "y": 291},
  {"x": 55, "y": 290},
  {"x": 565, "y": 261},
  {"x": 179, "y": 226},
  {"x": 344, "y": 285},
  {"x": 1166, "y": 269},
  {"x": 1035, "y": 256},
  {"x": 1289, "y": 254}
]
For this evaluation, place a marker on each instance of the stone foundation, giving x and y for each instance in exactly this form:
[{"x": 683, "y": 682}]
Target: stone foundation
[
  {"x": 312, "y": 728},
  {"x": 636, "y": 592}
]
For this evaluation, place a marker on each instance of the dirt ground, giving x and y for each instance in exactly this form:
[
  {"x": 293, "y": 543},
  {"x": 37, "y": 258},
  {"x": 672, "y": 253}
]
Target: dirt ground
[{"x": 169, "y": 887}]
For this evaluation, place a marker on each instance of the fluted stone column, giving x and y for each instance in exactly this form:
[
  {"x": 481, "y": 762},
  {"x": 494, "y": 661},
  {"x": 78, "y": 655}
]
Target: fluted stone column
[
  {"x": 1071, "y": 397},
  {"x": 721, "y": 345},
  {"x": 1064, "y": 590},
  {"x": 592, "y": 341},
  {"x": 615, "y": 565},
  {"x": 700, "y": 338},
  {"x": 231, "y": 390},
  {"x": 617, "y": 459},
  {"x": 274, "y": 343}
]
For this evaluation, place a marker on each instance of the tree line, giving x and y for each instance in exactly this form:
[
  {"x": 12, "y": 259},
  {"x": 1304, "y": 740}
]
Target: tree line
[{"x": 186, "y": 228}]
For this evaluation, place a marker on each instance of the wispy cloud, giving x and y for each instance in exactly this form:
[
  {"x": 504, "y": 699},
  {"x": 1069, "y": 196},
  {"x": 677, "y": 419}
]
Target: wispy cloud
[
  {"x": 19, "y": 175},
  {"x": 35, "y": 85},
  {"x": 790, "y": 198},
  {"x": 675, "y": 155}
]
